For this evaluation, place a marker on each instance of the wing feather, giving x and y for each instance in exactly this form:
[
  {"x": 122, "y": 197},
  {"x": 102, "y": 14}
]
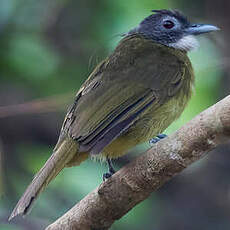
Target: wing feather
[
  {"x": 121, "y": 88},
  {"x": 115, "y": 124}
]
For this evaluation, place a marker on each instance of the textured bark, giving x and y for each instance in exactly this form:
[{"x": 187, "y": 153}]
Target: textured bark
[{"x": 137, "y": 180}]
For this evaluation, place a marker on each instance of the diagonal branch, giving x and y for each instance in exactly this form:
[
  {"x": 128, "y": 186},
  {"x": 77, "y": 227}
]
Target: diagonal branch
[{"x": 137, "y": 180}]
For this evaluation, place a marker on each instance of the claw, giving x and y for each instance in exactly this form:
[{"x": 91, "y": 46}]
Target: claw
[
  {"x": 106, "y": 176},
  {"x": 161, "y": 136},
  {"x": 157, "y": 138},
  {"x": 111, "y": 170}
]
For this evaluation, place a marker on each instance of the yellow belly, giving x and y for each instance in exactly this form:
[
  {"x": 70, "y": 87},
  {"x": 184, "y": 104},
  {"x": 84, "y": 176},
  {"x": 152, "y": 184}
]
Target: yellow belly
[{"x": 147, "y": 126}]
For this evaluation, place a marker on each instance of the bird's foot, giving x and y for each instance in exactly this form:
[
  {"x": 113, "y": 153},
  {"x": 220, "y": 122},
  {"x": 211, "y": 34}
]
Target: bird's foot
[
  {"x": 107, "y": 176},
  {"x": 157, "y": 138},
  {"x": 111, "y": 170}
]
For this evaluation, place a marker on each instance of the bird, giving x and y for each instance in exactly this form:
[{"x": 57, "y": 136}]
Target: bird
[{"x": 130, "y": 97}]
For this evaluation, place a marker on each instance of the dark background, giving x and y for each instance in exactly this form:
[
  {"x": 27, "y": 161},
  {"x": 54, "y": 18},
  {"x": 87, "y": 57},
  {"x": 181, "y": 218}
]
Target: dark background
[{"x": 47, "y": 49}]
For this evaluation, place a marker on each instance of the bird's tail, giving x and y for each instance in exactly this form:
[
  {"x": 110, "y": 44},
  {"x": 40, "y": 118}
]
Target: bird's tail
[{"x": 63, "y": 153}]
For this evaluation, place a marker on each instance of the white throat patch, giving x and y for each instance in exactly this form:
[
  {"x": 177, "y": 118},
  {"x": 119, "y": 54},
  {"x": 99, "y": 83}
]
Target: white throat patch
[{"x": 186, "y": 43}]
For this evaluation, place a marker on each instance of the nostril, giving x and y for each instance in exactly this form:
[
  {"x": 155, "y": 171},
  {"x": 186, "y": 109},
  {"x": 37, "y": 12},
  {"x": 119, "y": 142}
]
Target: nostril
[{"x": 194, "y": 25}]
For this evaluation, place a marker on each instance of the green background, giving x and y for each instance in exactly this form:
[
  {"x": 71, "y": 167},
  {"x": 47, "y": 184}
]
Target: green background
[{"x": 48, "y": 48}]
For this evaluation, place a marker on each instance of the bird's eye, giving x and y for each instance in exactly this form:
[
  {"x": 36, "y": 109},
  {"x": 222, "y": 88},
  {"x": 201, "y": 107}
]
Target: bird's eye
[{"x": 168, "y": 24}]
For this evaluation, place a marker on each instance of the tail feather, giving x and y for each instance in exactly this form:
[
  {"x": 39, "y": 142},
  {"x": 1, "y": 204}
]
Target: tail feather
[{"x": 57, "y": 161}]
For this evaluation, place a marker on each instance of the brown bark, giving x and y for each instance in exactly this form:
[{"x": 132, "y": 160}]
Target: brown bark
[{"x": 137, "y": 180}]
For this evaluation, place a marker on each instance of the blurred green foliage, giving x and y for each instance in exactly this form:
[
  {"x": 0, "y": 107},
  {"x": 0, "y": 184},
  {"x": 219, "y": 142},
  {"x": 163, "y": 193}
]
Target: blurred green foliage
[{"x": 49, "y": 48}]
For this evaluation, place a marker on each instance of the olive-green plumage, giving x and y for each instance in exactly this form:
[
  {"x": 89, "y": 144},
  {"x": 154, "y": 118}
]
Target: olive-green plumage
[
  {"x": 137, "y": 68},
  {"x": 140, "y": 77}
]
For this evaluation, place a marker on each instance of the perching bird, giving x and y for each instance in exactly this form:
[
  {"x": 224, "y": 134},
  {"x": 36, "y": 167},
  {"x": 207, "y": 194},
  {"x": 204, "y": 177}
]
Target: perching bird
[{"x": 130, "y": 97}]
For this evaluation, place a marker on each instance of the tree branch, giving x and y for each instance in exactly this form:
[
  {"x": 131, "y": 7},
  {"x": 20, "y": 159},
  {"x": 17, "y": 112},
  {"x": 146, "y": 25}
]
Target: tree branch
[
  {"x": 45, "y": 105},
  {"x": 145, "y": 174}
]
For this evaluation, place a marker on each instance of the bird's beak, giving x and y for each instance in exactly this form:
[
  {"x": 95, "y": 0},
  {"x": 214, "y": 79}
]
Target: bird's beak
[{"x": 196, "y": 29}]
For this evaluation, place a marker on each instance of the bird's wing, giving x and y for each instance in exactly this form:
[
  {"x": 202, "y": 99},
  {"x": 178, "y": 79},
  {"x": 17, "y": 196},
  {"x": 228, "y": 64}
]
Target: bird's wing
[
  {"x": 96, "y": 125},
  {"x": 108, "y": 104}
]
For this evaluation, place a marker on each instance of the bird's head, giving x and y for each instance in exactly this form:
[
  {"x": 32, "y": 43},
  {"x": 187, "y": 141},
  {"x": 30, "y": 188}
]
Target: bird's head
[{"x": 171, "y": 28}]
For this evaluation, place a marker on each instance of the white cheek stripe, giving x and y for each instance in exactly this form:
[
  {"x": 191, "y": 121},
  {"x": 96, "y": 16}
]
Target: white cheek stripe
[{"x": 186, "y": 43}]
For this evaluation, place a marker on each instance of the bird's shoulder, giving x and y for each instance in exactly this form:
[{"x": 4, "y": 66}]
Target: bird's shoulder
[{"x": 140, "y": 61}]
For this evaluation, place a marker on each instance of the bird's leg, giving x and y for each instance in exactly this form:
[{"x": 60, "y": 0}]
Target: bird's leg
[
  {"x": 157, "y": 138},
  {"x": 111, "y": 170}
]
